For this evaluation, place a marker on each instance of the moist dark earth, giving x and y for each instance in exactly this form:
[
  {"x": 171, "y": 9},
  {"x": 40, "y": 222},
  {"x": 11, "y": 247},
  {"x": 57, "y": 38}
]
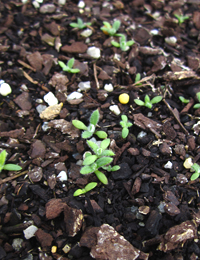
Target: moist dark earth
[{"x": 150, "y": 208}]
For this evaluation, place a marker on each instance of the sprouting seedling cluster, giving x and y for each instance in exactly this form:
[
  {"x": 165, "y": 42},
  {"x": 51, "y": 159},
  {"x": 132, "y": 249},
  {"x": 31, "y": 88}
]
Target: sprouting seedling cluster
[
  {"x": 196, "y": 106},
  {"x": 91, "y": 129},
  {"x": 196, "y": 171},
  {"x": 80, "y": 24},
  {"x": 123, "y": 44},
  {"x": 125, "y": 124},
  {"x": 69, "y": 67},
  {"x": 90, "y": 186},
  {"x": 181, "y": 18},
  {"x": 111, "y": 29},
  {"x": 9, "y": 166},
  {"x": 148, "y": 102}
]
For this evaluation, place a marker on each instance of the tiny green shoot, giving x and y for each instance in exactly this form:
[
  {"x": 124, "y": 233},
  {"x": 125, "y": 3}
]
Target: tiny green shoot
[
  {"x": 196, "y": 168},
  {"x": 147, "y": 102},
  {"x": 138, "y": 78},
  {"x": 122, "y": 44},
  {"x": 181, "y": 18},
  {"x": 196, "y": 106},
  {"x": 125, "y": 124},
  {"x": 80, "y": 24},
  {"x": 69, "y": 66},
  {"x": 184, "y": 100},
  {"x": 91, "y": 129},
  {"x": 111, "y": 29},
  {"x": 87, "y": 188},
  {"x": 8, "y": 167}
]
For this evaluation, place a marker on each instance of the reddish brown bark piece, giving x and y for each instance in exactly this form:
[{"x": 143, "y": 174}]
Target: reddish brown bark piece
[
  {"x": 76, "y": 47},
  {"x": 53, "y": 208},
  {"x": 38, "y": 149},
  {"x": 35, "y": 60},
  {"x": 169, "y": 131},
  {"x": 23, "y": 101},
  {"x": 13, "y": 133},
  {"x": 172, "y": 209},
  {"x": 44, "y": 238}
]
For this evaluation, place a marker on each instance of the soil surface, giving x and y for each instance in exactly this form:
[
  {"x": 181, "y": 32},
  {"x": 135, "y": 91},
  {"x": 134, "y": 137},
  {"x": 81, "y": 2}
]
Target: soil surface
[{"x": 150, "y": 207}]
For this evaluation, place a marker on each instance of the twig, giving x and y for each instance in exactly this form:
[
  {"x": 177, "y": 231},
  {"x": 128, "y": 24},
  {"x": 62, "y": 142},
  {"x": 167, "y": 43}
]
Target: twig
[
  {"x": 95, "y": 75},
  {"x": 12, "y": 177},
  {"x": 175, "y": 116}
]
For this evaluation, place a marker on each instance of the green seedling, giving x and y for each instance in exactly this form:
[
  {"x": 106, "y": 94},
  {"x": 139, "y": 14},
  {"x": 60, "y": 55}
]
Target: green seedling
[
  {"x": 196, "y": 168},
  {"x": 196, "y": 106},
  {"x": 147, "y": 102},
  {"x": 111, "y": 29},
  {"x": 125, "y": 124},
  {"x": 181, "y": 18},
  {"x": 88, "y": 187},
  {"x": 69, "y": 66},
  {"x": 184, "y": 100},
  {"x": 80, "y": 24},
  {"x": 138, "y": 78},
  {"x": 122, "y": 44},
  {"x": 91, "y": 129},
  {"x": 9, "y": 166},
  {"x": 100, "y": 159}
]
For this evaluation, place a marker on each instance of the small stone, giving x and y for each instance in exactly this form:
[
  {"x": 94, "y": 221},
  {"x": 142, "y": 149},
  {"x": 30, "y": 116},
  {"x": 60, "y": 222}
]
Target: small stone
[
  {"x": 123, "y": 173},
  {"x": 17, "y": 243},
  {"x": 165, "y": 149},
  {"x": 171, "y": 209},
  {"x": 53, "y": 208},
  {"x": 51, "y": 112},
  {"x": 74, "y": 95},
  {"x": 168, "y": 165},
  {"x": 108, "y": 87},
  {"x": 66, "y": 248},
  {"x": 47, "y": 8},
  {"x": 36, "y": 4},
  {"x": 47, "y": 38},
  {"x": 84, "y": 86},
  {"x": 62, "y": 176},
  {"x": 86, "y": 33},
  {"x": 5, "y": 89},
  {"x": 188, "y": 163},
  {"x": 181, "y": 178},
  {"x": 44, "y": 238},
  {"x": 94, "y": 52},
  {"x": 141, "y": 135},
  {"x": 41, "y": 108},
  {"x": 62, "y": 2},
  {"x": 29, "y": 232},
  {"x": 23, "y": 101},
  {"x": 171, "y": 40},
  {"x": 115, "y": 109},
  {"x": 81, "y": 4},
  {"x": 76, "y": 47},
  {"x": 50, "y": 99}
]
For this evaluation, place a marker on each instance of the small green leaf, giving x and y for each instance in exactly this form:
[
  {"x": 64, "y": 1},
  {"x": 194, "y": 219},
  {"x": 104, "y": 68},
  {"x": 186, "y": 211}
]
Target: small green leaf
[
  {"x": 80, "y": 21},
  {"x": 86, "y": 134},
  {"x": 148, "y": 104},
  {"x": 194, "y": 176},
  {"x": 196, "y": 106},
  {"x": 86, "y": 170},
  {"x": 105, "y": 143},
  {"x": 139, "y": 102},
  {"x": 93, "y": 146},
  {"x": 146, "y": 99},
  {"x": 123, "y": 124},
  {"x": 130, "y": 43},
  {"x": 115, "y": 168},
  {"x": 70, "y": 63},
  {"x": 101, "y": 134},
  {"x": 198, "y": 96},
  {"x": 90, "y": 186},
  {"x": 125, "y": 132},
  {"x": 63, "y": 66},
  {"x": 156, "y": 99},
  {"x": 75, "y": 25},
  {"x": 74, "y": 70},
  {"x": 103, "y": 161},
  {"x": 107, "y": 153},
  {"x": 3, "y": 155},
  {"x": 94, "y": 117},
  {"x": 116, "y": 25},
  {"x": 79, "y": 192},
  {"x": 115, "y": 44},
  {"x": 90, "y": 159},
  {"x": 124, "y": 118},
  {"x": 137, "y": 77},
  {"x": 196, "y": 167},
  {"x": 78, "y": 124},
  {"x": 102, "y": 177},
  {"x": 129, "y": 124},
  {"x": 183, "y": 100},
  {"x": 12, "y": 167},
  {"x": 107, "y": 25}
]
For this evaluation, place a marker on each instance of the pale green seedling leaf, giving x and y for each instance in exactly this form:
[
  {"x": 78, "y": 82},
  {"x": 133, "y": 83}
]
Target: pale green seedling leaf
[
  {"x": 75, "y": 25},
  {"x": 103, "y": 161},
  {"x": 102, "y": 177},
  {"x": 107, "y": 25},
  {"x": 86, "y": 134},
  {"x": 93, "y": 146},
  {"x": 137, "y": 77},
  {"x": 194, "y": 176},
  {"x": 107, "y": 153},
  {"x": 146, "y": 99},
  {"x": 63, "y": 66},
  {"x": 198, "y": 96},
  {"x": 124, "y": 118},
  {"x": 130, "y": 43},
  {"x": 70, "y": 63},
  {"x": 115, "y": 44},
  {"x": 125, "y": 132},
  {"x": 196, "y": 167},
  {"x": 74, "y": 70},
  {"x": 139, "y": 102},
  {"x": 116, "y": 25},
  {"x": 86, "y": 170},
  {"x": 94, "y": 117},
  {"x": 89, "y": 159},
  {"x": 79, "y": 192},
  {"x": 90, "y": 186},
  {"x": 156, "y": 99},
  {"x": 105, "y": 143},
  {"x": 196, "y": 106},
  {"x": 2, "y": 158},
  {"x": 78, "y": 124},
  {"x": 115, "y": 168},
  {"x": 101, "y": 134},
  {"x": 123, "y": 124},
  {"x": 148, "y": 104},
  {"x": 12, "y": 167},
  {"x": 184, "y": 100},
  {"x": 129, "y": 124}
]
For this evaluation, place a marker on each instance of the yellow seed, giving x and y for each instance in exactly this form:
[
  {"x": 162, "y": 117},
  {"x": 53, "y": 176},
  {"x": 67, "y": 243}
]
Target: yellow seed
[
  {"x": 124, "y": 98},
  {"x": 53, "y": 249}
]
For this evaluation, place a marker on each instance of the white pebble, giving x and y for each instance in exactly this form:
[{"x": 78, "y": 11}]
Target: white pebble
[
  {"x": 171, "y": 40},
  {"x": 94, "y": 52},
  {"x": 81, "y": 4},
  {"x": 29, "y": 232},
  {"x": 108, "y": 87},
  {"x": 115, "y": 109},
  {"x": 188, "y": 163},
  {"x": 74, "y": 95},
  {"x": 5, "y": 89},
  {"x": 154, "y": 32},
  {"x": 62, "y": 176},
  {"x": 50, "y": 99},
  {"x": 17, "y": 243},
  {"x": 86, "y": 33},
  {"x": 36, "y": 4},
  {"x": 84, "y": 85},
  {"x": 45, "y": 126},
  {"x": 141, "y": 135},
  {"x": 168, "y": 165},
  {"x": 61, "y": 2},
  {"x": 39, "y": 1},
  {"x": 40, "y": 108}
]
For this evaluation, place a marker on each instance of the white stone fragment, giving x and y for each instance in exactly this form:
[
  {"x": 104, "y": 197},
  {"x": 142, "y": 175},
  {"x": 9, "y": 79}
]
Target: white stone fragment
[
  {"x": 154, "y": 32},
  {"x": 171, "y": 40},
  {"x": 108, "y": 87},
  {"x": 17, "y": 243},
  {"x": 117, "y": 57},
  {"x": 188, "y": 163},
  {"x": 84, "y": 86},
  {"x": 81, "y": 4},
  {"x": 5, "y": 89},
  {"x": 94, "y": 52},
  {"x": 168, "y": 165},
  {"x": 50, "y": 99},
  {"x": 115, "y": 109},
  {"x": 74, "y": 95},
  {"x": 86, "y": 33},
  {"x": 29, "y": 232},
  {"x": 45, "y": 126},
  {"x": 36, "y": 4},
  {"x": 141, "y": 135},
  {"x": 24, "y": 1},
  {"x": 62, "y": 2},
  {"x": 39, "y": 1},
  {"x": 62, "y": 176},
  {"x": 40, "y": 108}
]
